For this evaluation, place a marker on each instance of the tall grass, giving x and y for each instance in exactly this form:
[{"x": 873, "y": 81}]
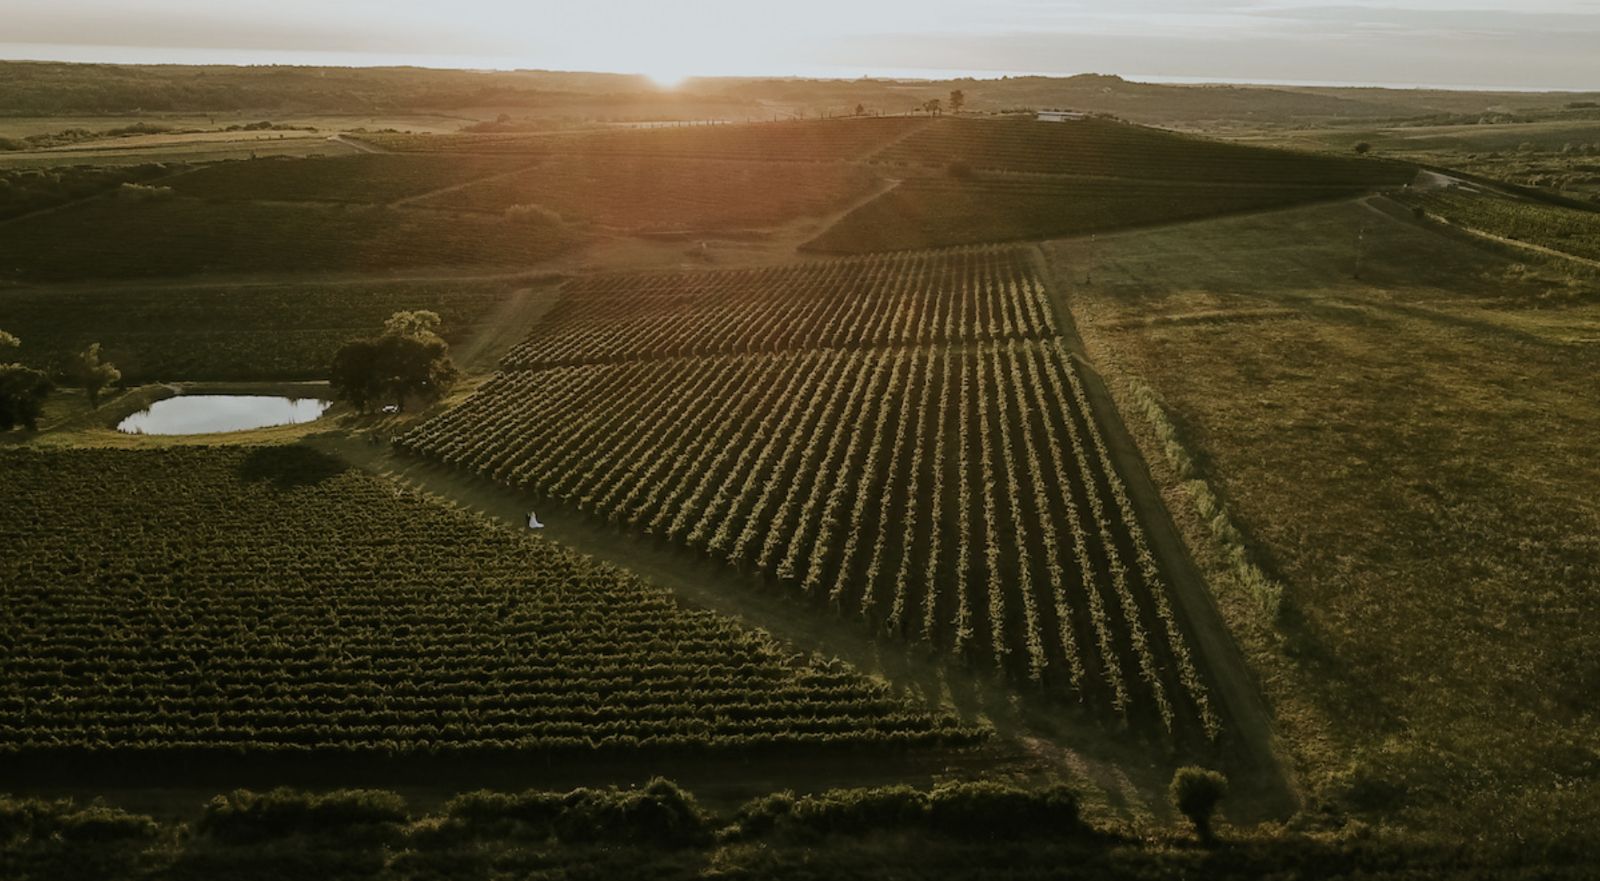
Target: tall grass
[{"x": 1266, "y": 595}]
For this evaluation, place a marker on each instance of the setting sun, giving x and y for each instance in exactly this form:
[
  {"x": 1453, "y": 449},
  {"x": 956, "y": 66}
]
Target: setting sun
[{"x": 666, "y": 77}]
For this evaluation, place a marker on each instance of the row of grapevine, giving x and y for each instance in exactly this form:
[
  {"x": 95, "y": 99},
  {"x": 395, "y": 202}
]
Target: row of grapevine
[
  {"x": 965, "y": 295},
  {"x": 268, "y": 600},
  {"x": 1564, "y": 229},
  {"x": 961, "y": 497}
]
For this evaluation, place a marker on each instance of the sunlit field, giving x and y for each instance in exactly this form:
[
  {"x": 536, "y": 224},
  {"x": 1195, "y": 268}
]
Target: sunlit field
[{"x": 661, "y": 474}]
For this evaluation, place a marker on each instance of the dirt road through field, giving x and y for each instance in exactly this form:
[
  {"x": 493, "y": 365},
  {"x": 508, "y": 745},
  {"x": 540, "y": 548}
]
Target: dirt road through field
[{"x": 1256, "y": 772}]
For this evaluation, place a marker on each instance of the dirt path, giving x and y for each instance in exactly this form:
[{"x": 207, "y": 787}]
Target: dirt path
[
  {"x": 1121, "y": 772},
  {"x": 359, "y": 146},
  {"x": 510, "y": 322},
  {"x": 1255, "y": 770},
  {"x": 461, "y": 186}
]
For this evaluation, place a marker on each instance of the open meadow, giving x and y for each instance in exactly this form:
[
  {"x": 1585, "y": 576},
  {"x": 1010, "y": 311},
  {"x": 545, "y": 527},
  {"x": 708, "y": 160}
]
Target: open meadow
[{"x": 1431, "y": 656}]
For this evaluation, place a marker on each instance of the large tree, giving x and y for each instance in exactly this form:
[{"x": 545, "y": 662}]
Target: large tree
[
  {"x": 93, "y": 374},
  {"x": 958, "y": 100},
  {"x": 407, "y": 362},
  {"x": 23, "y": 390}
]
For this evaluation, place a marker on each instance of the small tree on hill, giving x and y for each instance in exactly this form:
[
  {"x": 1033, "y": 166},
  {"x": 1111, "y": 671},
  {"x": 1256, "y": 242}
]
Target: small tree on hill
[
  {"x": 23, "y": 390},
  {"x": 421, "y": 322},
  {"x": 934, "y": 107},
  {"x": 93, "y": 374},
  {"x": 1363, "y": 148},
  {"x": 861, "y": 110},
  {"x": 407, "y": 362},
  {"x": 1195, "y": 793},
  {"x": 958, "y": 100}
]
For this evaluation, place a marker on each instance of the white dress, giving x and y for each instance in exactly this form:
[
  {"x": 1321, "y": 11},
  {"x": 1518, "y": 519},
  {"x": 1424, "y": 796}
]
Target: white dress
[{"x": 533, "y": 521}]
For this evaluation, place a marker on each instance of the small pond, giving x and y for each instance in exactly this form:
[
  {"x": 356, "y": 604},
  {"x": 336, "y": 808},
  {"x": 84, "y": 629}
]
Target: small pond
[{"x": 209, "y": 414}]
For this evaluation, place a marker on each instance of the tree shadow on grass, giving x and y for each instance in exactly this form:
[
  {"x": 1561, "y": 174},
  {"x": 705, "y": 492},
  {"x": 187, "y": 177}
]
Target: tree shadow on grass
[{"x": 290, "y": 466}]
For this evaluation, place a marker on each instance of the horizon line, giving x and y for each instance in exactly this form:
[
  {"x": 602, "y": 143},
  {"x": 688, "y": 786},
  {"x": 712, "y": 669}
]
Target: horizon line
[{"x": 929, "y": 75}]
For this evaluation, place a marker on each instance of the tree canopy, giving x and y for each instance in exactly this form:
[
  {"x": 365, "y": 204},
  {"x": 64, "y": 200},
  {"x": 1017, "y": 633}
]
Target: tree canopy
[
  {"x": 408, "y": 361},
  {"x": 93, "y": 374},
  {"x": 23, "y": 390}
]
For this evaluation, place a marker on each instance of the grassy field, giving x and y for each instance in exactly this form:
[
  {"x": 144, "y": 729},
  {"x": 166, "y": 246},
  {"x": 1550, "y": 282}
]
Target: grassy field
[
  {"x": 1408, "y": 455},
  {"x": 199, "y": 603},
  {"x": 940, "y": 211},
  {"x": 283, "y": 331},
  {"x": 145, "y": 237}
]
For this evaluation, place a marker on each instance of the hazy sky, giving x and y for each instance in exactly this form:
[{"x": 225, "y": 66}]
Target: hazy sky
[{"x": 1527, "y": 44}]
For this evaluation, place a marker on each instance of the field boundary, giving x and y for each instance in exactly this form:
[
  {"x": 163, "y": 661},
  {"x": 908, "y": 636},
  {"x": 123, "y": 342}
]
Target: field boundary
[{"x": 1248, "y": 719}]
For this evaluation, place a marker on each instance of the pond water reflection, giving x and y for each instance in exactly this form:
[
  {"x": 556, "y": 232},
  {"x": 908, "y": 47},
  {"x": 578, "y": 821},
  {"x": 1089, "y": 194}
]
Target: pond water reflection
[{"x": 209, "y": 414}]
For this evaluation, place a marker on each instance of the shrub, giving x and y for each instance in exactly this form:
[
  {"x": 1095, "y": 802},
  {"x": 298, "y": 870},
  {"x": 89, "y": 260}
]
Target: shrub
[
  {"x": 244, "y": 817},
  {"x": 144, "y": 192},
  {"x": 661, "y": 814},
  {"x": 996, "y": 810},
  {"x": 861, "y": 810},
  {"x": 38, "y": 821},
  {"x": 968, "y": 810},
  {"x": 764, "y": 814},
  {"x": 1195, "y": 792},
  {"x": 532, "y": 215}
]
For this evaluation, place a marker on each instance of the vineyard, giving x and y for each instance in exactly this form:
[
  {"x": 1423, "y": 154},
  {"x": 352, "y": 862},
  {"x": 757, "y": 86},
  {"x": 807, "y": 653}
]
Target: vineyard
[
  {"x": 921, "y": 457},
  {"x": 967, "y": 295},
  {"x": 643, "y": 192},
  {"x": 183, "y": 236},
  {"x": 368, "y": 178},
  {"x": 1103, "y": 148},
  {"x": 821, "y": 140},
  {"x": 1564, "y": 229},
  {"x": 200, "y": 601},
  {"x": 939, "y": 212},
  {"x": 245, "y": 333}
]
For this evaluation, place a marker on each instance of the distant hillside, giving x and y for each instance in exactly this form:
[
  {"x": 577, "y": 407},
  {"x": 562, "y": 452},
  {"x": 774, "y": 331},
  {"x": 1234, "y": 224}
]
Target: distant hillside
[{"x": 46, "y": 88}]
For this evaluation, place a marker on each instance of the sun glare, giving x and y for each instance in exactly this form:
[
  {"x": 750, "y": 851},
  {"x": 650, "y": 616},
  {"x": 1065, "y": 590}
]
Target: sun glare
[{"x": 666, "y": 77}]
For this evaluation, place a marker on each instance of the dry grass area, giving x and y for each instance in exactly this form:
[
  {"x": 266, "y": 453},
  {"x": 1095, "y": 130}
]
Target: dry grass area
[{"x": 1410, "y": 456}]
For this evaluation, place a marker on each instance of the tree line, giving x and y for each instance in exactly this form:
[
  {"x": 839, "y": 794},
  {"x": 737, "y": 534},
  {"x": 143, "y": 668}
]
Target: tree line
[{"x": 24, "y": 389}]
